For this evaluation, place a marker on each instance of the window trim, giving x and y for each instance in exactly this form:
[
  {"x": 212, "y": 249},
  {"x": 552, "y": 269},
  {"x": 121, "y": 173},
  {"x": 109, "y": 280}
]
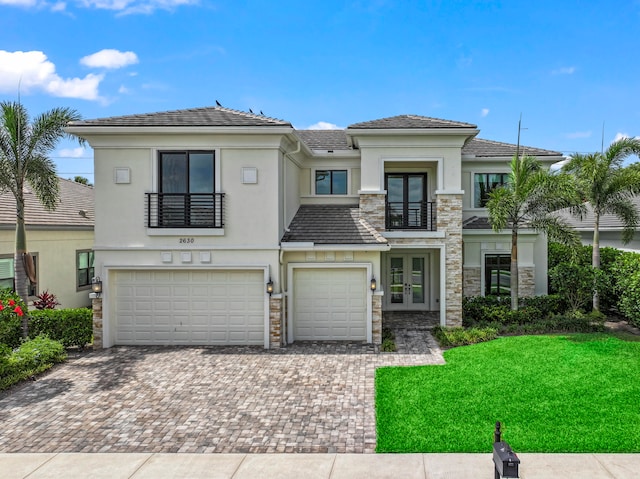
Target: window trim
[
  {"x": 330, "y": 169},
  {"x": 473, "y": 185},
  {"x": 86, "y": 286}
]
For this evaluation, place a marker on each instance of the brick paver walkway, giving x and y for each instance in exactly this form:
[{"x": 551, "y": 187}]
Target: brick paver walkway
[{"x": 308, "y": 397}]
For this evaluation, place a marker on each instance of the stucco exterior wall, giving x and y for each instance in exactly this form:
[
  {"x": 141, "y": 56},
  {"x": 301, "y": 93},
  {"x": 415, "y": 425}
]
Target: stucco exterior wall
[{"x": 56, "y": 261}]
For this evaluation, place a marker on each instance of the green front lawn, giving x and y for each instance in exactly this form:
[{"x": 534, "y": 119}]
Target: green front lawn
[{"x": 570, "y": 393}]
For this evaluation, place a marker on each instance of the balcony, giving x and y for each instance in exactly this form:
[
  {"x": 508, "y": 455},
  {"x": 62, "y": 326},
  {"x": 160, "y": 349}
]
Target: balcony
[
  {"x": 185, "y": 210},
  {"x": 416, "y": 215}
]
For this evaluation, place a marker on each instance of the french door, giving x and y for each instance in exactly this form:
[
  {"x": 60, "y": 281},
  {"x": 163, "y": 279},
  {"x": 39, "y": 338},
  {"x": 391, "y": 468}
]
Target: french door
[{"x": 407, "y": 278}]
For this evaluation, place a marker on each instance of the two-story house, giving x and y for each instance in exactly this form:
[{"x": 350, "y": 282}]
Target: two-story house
[{"x": 216, "y": 226}]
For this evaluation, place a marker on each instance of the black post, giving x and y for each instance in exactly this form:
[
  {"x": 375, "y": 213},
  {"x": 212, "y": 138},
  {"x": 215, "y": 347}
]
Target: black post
[{"x": 497, "y": 435}]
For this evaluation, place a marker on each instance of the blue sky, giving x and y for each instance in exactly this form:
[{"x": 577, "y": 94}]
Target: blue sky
[{"x": 566, "y": 66}]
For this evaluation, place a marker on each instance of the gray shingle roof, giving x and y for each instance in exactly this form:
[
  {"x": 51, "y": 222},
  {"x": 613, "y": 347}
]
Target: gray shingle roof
[
  {"x": 409, "y": 121},
  {"x": 488, "y": 148},
  {"x": 73, "y": 198},
  {"x": 331, "y": 224},
  {"x": 607, "y": 222},
  {"x": 476, "y": 223},
  {"x": 324, "y": 139},
  {"x": 207, "y": 116}
]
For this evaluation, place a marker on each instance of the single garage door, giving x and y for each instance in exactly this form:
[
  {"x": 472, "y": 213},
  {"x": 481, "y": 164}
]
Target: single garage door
[
  {"x": 202, "y": 307},
  {"x": 330, "y": 304}
]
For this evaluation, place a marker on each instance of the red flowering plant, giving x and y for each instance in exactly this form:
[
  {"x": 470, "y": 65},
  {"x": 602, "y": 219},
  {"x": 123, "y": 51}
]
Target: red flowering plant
[{"x": 12, "y": 310}]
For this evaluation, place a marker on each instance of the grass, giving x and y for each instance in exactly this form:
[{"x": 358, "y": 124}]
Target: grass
[{"x": 572, "y": 393}]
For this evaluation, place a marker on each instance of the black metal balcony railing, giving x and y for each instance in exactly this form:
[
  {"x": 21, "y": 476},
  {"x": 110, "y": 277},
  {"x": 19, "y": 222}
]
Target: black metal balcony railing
[
  {"x": 416, "y": 215},
  {"x": 185, "y": 210}
]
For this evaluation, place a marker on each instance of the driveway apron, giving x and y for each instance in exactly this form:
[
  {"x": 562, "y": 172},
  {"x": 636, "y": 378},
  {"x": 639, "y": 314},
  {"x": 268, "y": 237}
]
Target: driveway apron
[{"x": 307, "y": 397}]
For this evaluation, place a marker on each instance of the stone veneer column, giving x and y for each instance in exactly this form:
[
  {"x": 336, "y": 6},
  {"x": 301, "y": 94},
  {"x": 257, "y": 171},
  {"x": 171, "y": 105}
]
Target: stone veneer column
[
  {"x": 449, "y": 220},
  {"x": 96, "y": 306},
  {"x": 376, "y": 319},
  {"x": 372, "y": 209},
  {"x": 526, "y": 281},
  {"x": 275, "y": 322}
]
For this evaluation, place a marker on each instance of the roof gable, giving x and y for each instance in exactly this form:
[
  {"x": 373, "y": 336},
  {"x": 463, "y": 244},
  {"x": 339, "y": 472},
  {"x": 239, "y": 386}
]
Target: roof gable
[
  {"x": 409, "y": 122},
  {"x": 207, "y": 116}
]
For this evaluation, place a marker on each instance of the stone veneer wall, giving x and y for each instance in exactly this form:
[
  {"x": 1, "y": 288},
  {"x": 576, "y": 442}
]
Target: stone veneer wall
[
  {"x": 372, "y": 210},
  {"x": 275, "y": 322},
  {"x": 96, "y": 305},
  {"x": 449, "y": 209},
  {"x": 526, "y": 281},
  {"x": 472, "y": 281},
  {"x": 376, "y": 327}
]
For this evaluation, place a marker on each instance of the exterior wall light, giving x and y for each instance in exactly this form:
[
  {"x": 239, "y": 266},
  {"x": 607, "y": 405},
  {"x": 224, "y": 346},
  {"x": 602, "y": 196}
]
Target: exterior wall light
[
  {"x": 374, "y": 284},
  {"x": 270, "y": 287},
  {"x": 96, "y": 285}
]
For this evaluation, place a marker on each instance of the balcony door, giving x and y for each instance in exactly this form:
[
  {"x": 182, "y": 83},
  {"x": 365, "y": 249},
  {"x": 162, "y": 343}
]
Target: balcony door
[
  {"x": 406, "y": 200},
  {"x": 407, "y": 282}
]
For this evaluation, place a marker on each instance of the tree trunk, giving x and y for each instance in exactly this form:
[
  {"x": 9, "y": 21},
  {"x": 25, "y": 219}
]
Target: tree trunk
[
  {"x": 514, "y": 269},
  {"x": 20, "y": 274},
  {"x": 595, "y": 258}
]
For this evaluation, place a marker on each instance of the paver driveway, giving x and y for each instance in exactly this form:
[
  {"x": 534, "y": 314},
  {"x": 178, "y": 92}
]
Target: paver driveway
[{"x": 313, "y": 397}]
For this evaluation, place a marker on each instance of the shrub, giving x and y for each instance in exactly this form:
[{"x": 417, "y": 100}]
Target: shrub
[
  {"x": 576, "y": 283},
  {"x": 388, "y": 341},
  {"x": 72, "y": 327},
  {"x": 12, "y": 309},
  {"x": 32, "y": 357},
  {"x": 46, "y": 300},
  {"x": 626, "y": 272},
  {"x": 450, "y": 337}
]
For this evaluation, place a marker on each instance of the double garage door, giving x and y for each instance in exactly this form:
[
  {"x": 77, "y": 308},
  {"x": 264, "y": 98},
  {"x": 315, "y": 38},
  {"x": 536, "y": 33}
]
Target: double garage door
[
  {"x": 329, "y": 304},
  {"x": 203, "y": 307}
]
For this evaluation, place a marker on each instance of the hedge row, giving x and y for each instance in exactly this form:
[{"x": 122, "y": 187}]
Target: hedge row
[{"x": 32, "y": 357}]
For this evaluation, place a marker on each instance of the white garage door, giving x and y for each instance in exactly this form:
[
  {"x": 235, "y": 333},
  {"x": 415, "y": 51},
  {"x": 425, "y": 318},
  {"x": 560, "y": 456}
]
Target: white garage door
[
  {"x": 330, "y": 304},
  {"x": 190, "y": 307}
]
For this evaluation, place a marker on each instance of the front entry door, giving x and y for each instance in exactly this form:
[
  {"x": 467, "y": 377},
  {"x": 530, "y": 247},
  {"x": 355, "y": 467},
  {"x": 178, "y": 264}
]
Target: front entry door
[{"x": 407, "y": 280}]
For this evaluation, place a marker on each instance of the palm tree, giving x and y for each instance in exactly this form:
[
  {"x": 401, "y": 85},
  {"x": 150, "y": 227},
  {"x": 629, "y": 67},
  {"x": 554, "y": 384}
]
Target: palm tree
[
  {"x": 609, "y": 188},
  {"x": 528, "y": 200},
  {"x": 24, "y": 149}
]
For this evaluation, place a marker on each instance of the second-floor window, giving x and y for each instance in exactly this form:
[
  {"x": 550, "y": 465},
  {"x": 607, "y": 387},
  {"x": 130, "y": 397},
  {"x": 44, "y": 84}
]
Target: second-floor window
[
  {"x": 484, "y": 183},
  {"x": 187, "y": 171},
  {"x": 331, "y": 182}
]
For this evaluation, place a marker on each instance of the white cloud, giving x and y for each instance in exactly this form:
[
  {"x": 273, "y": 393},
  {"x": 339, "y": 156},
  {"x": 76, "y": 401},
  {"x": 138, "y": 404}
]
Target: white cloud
[
  {"x": 31, "y": 71},
  {"x": 19, "y": 3},
  {"x": 78, "y": 152},
  {"x": 59, "y": 7},
  {"x": 579, "y": 134},
  {"x": 484, "y": 112},
  {"x": 109, "y": 58},
  {"x": 564, "y": 71},
  {"x": 323, "y": 125},
  {"x": 620, "y": 136},
  {"x": 123, "y": 89}
]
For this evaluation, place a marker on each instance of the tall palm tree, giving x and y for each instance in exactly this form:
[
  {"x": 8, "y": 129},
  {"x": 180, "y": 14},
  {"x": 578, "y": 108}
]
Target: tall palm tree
[
  {"x": 528, "y": 200},
  {"x": 24, "y": 149},
  {"x": 608, "y": 187}
]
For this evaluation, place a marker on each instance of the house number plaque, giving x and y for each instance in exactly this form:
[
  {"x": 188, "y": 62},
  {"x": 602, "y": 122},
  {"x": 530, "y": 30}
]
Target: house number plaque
[{"x": 187, "y": 240}]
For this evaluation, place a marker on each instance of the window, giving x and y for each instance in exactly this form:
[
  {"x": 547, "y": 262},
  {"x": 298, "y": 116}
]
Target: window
[
  {"x": 7, "y": 274},
  {"x": 406, "y": 203},
  {"x": 186, "y": 195},
  {"x": 331, "y": 182},
  {"x": 84, "y": 269},
  {"x": 497, "y": 274},
  {"x": 484, "y": 183}
]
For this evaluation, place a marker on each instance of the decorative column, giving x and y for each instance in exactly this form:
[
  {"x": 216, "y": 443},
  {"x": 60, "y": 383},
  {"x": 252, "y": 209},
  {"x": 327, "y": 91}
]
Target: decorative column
[
  {"x": 96, "y": 306},
  {"x": 275, "y": 322},
  {"x": 376, "y": 313},
  {"x": 450, "y": 221}
]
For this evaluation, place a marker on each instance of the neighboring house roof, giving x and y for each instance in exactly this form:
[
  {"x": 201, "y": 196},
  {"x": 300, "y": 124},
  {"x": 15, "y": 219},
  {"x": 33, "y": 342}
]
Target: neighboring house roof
[
  {"x": 476, "y": 223},
  {"x": 607, "y": 222},
  {"x": 75, "y": 198},
  {"x": 331, "y": 224},
  {"x": 489, "y": 148},
  {"x": 207, "y": 116},
  {"x": 409, "y": 121}
]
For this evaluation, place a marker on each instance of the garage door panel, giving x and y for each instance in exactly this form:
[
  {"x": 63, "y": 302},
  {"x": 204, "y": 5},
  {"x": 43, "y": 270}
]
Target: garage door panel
[
  {"x": 190, "y": 307},
  {"x": 330, "y": 304}
]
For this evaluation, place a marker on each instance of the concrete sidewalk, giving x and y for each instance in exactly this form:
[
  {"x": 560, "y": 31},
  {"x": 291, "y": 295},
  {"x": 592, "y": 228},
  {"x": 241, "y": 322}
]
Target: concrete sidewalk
[{"x": 310, "y": 466}]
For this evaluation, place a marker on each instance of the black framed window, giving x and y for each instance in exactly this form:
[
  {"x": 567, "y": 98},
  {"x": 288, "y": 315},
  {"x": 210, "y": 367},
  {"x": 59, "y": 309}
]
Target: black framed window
[
  {"x": 84, "y": 268},
  {"x": 497, "y": 274},
  {"x": 331, "y": 182},
  {"x": 407, "y": 200},
  {"x": 484, "y": 183},
  {"x": 187, "y": 171},
  {"x": 7, "y": 274}
]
